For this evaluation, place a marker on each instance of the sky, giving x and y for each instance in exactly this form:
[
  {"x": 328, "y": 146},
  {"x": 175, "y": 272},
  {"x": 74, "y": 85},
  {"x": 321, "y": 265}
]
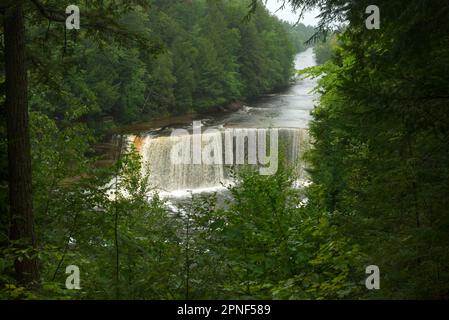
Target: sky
[{"x": 288, "y": 15}]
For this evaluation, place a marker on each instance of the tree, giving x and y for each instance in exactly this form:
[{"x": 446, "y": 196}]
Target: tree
[
  {"x": 19, "y": 150},
  {"x": 22, "y": 235},
  {"x": 380, "y": 160}
]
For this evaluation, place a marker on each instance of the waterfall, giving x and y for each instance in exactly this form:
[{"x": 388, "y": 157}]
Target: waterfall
[{"x": 168, "y": 176}]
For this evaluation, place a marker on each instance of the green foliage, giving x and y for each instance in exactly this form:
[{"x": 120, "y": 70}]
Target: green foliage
[
  {"x": 277, "y": 248},
  {"x": 299, "y": 35},
  {"x": 325, "y": 50},
  {"x": 380, "y": 145}
]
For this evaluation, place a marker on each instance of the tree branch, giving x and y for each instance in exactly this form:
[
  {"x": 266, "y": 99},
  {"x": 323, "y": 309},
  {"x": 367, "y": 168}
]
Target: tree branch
[{"x": 47, "y": 13}]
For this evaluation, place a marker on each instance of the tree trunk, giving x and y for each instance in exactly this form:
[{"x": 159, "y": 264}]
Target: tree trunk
[{"x": 19, "y": 150}]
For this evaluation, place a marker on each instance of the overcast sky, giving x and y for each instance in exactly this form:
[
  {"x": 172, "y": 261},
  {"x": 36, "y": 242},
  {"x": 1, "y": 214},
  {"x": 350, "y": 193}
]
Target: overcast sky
[{"x": 288, "y": 15}]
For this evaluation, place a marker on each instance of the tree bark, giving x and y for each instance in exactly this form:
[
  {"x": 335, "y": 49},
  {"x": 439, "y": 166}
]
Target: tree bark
[{"x": 19, "y": 150}]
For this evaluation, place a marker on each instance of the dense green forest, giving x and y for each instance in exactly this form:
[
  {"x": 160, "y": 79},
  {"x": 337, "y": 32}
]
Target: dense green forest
[
  {"x": 380, "y": 157},
  {"x": 187, "y": 56},
  {"x": 378, "y": 161},
  {"x": 326, "y": 49}
]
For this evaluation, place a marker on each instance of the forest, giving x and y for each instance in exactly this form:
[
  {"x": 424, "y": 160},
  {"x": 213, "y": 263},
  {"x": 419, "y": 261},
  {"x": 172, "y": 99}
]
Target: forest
[
  {"x": 185, "y": 57},
  {"x": 378, "y": 162}
]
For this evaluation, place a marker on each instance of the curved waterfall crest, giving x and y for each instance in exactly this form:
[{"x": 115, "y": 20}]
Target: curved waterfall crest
[{"x": 222, "y": 149}]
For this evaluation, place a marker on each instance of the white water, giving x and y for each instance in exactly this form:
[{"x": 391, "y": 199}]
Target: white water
[
  {"x": 288, "y": 111},
  {"x": 168, "y": 176}
]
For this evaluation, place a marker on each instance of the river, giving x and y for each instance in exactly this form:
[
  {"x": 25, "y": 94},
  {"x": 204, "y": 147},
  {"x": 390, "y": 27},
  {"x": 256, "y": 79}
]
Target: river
[
  {"x": 286, "y": 112},
  {"x": 288, "y": 109}
]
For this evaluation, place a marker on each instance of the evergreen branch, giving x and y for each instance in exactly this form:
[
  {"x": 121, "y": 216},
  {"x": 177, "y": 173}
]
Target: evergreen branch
[{"x": 48, "y": 13}]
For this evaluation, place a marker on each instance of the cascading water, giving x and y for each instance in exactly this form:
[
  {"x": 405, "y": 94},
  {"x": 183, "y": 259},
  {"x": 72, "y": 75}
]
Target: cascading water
[{"x": 168, "y": 176}]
